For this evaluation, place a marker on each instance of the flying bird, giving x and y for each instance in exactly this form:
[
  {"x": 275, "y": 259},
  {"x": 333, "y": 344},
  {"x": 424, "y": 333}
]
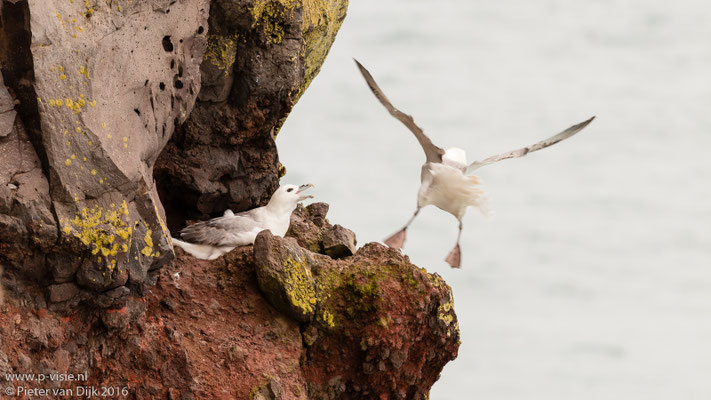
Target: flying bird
[
  {"x": 444, "y": 178},
  {"x": 208, "y": 240}
]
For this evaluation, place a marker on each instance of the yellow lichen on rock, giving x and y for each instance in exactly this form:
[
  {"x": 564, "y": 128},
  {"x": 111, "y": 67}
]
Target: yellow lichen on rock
[
  {"x": 327, "y": 319},
  {"x": 98, "y": 229},
  {"x": 299, "y": 285},
  {"x": 221, "y": 51},
  {"x": 320, "y": 21},
  {"x": 148, "y": 248},
  {"x": 445, "y": 313},
  {"x": 84, "y": 71}
]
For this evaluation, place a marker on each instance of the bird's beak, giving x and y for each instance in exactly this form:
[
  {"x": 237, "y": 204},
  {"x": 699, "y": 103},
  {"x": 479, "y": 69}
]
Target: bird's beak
[{"x": 302, "y": 188}]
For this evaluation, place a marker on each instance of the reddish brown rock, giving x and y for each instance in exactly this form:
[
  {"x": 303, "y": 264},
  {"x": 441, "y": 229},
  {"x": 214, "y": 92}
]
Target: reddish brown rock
[{"x": 379, "y": 327}]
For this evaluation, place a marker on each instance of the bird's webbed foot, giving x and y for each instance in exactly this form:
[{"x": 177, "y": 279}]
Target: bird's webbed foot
[
  {"x": 397, "y": 240},
  {"x": 454, "y": 257}
]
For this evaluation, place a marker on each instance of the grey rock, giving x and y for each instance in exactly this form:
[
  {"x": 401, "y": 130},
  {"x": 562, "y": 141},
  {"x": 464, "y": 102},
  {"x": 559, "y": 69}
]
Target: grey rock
[
  {"x": 107, "y": 86},
  {"x": 27, "y": 226},
  {"x": 63, "y": 266},
  {"x": 62, "y": 292},
  {"x": 7, "y": 111},
  {"x": 339, "y": 242},
  {"x": 92, "y": 277},
  {"x": 317, "y": 213}
]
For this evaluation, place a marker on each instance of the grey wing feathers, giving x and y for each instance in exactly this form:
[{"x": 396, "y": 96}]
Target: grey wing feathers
[
  {"x": 535, "y": 147},
  {"x": 432, "y": 152},
  {"x": 217, "y": 231}
]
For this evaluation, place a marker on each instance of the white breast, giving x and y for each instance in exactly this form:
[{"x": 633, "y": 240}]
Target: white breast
[
  {"x": 455, "y": 157},
  {"x": 452, "y": 191},
  {"x": 277, "y": 222}
]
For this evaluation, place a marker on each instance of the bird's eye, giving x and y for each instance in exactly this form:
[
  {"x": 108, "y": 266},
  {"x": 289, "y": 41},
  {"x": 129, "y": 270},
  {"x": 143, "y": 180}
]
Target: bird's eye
[{"x": 289, "y": 189}]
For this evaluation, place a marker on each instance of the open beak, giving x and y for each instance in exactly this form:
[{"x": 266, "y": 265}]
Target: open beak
[{"x": 301, "y": 189}]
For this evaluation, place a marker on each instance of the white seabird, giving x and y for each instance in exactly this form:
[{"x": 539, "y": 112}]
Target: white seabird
[
  {"x": 208, "y": 240},
  {"x": 444, "y": 180}
]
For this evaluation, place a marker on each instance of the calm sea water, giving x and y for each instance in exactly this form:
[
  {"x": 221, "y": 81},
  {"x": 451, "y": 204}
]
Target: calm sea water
[{"x": 593, "y": 280}]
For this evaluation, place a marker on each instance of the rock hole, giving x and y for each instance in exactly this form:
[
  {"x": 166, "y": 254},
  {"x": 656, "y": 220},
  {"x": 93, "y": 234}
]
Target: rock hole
[
  {"x": 145, "y": 83},
  {"x": 137, "y": 112},
  {"x": 167, "y": 44},
  {"x": 161, "y": 86},
  {"x": 178, "y": 84},
  {"x": 180, "y": 71},
  {"x": 167, "y": 11},
  {"x": 201, "y": 30},
  {"x": 172, "y": 64}
]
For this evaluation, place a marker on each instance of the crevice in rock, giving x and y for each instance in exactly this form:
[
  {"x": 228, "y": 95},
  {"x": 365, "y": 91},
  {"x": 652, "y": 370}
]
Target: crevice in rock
[{"x": 18, "y": 71}]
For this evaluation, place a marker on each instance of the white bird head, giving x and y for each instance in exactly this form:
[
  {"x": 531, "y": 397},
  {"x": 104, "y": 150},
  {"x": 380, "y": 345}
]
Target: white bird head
[{"x": 289, "y": 195}]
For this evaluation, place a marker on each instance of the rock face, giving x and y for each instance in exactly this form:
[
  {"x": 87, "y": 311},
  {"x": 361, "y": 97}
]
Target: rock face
[
  {"x": 112, "y": 112},
  {"x": 374, "y": 327},
  {"x": 94, "y": 93},
  {"x": 100, "y": 87},
  {"x": 261, "y": 57}
]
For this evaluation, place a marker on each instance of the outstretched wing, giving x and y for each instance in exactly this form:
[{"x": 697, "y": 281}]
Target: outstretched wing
[
  {"x": 432, "y": 152},
  {"x": 530, "y": 149},
  {"x": 219, "y": 231}
]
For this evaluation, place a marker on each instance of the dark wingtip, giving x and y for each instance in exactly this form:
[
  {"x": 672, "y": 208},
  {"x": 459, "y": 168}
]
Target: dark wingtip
[{"x": 586, "y": 123}]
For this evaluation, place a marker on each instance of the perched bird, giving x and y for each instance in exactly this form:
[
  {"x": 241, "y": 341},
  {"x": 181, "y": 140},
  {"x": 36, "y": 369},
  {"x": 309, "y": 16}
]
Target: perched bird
[
  {"x": 444, "y": 180},
  {"x": 208, "y": 240}
]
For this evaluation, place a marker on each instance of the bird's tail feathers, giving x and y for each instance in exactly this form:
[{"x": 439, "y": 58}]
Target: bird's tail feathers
[
  {"x": 201, "y": 251},
  {"x": 478, "y": 197}
]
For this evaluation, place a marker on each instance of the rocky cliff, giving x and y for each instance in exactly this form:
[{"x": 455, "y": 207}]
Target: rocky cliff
[{"x": 119, "y": 121}]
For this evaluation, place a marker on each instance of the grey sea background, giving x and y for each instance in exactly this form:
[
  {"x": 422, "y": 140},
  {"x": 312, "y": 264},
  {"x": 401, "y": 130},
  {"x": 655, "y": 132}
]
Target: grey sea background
[{"x": 593, "y": 279}]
